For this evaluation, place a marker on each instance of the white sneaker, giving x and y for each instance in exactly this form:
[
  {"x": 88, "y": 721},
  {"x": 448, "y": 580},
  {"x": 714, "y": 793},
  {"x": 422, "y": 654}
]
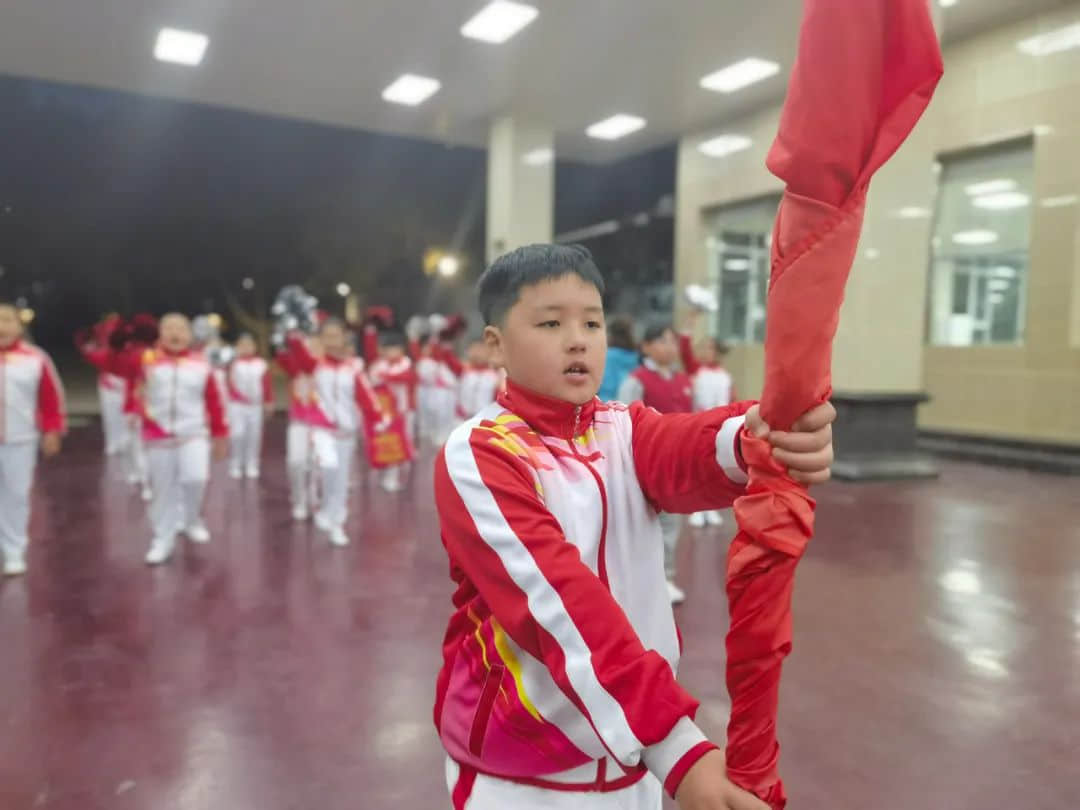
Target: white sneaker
[
  {"x": 675, "y": 593},
  {"x": 714, "y": 518},
  {"x": 147, "y": 494},
  {"x": 392, "y": 486},
  {"x": 14, "y": 566},
  {"x": 322, "y": 522},
  {"x": 160, "y": 551},
  {"x": 197, "y": 533},
  {"x": 299, "y": 512},
  {"x": 236, "y": 473},
  {"x": 252, "y": 471},
  {"x": 697, "y": 520},
  {"x": 338, "y": 536}
]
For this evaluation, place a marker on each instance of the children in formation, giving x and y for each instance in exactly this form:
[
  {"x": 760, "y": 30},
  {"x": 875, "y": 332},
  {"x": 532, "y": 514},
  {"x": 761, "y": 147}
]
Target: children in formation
[
  {"x": 559, "y": 685},
  {"x": 32, "y": 417}
]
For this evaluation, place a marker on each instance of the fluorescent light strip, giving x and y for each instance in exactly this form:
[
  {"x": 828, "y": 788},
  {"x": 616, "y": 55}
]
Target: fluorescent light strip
[
  {"x": 723, "y": 145},
  {"x": 1060, "y": 202},
  {"x": 1061, "y": 39},
  {"x": 615, "y": 127},
  {"x": 538, "y": 157},
  {"x": 180, "y": 47},
  {"x": 1002, "y": 201},
  {"x": 740, "y": 75},
  {"x": 411, "y": 90},
  {"x": 913, "y": 212},
  {"x": 589, "y": 232},
  {"x": 499, "y": 21},
  {"x": 990, "y": 187},
  {"x": 975, "y": 238}
]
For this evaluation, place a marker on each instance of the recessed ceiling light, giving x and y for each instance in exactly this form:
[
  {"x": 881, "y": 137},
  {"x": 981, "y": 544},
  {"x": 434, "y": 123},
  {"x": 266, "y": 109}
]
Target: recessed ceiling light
[
  {"x": 180, "y": 47},
  {"x": 998, "y": 284},
  {"x": 1004, "y": 271},
  {"x": 975, "y": 237},
  {"x": 723, "y": 145},
  {"x": 1059, "y": 202},
  {"x": 741, "y": 74},
  {"x": 913, "y": 212},
  {"x": 538, "y": 157},
  {"x": 1002, "y": 201},
  {"x": 737, "y": 264},
  {"x": 343, "y": 289},
  {"x": 615, "y": 127},
  {"x": 990, "y": 187},
  {"x": 872, "y": 253},
  {"x": 448, "y": 265},
  {"x": 411, "y": 90},
  {"x": 946, "y": 3},
  {"x": 1056, "y": 41},
  {"x": 498, "y": 21}
]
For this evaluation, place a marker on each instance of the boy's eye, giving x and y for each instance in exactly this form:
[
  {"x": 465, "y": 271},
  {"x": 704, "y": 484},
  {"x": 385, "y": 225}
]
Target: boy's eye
[
  {"x": 595, "y": 325},
  {"x": 549, "y": 324}
]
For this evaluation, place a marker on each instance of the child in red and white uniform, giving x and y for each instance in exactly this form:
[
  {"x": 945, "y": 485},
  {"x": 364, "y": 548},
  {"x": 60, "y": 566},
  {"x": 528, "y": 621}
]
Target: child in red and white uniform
[
  {"x": 389, "y": 365},
  {"x": 659, "y": 384},
  {"x": 478, "y": 382},
  {"x": 341, "y": 394},
  {"x": 127, "y": 359},
  {"x": 251, "y": 395},
  {"x": 712, "y": 388},
  {"x": 96, "y": 350},
  {"x": 299, "y": 452},
  {"x": 437, "y": 371},
  {"x": 31, "y": 414},
  {"x": 560, "y": 657},
  {"x": 182, "y": 414}
]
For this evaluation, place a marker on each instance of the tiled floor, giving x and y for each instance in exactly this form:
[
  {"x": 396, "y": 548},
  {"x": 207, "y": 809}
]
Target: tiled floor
[{"x": 937, "y": 659}]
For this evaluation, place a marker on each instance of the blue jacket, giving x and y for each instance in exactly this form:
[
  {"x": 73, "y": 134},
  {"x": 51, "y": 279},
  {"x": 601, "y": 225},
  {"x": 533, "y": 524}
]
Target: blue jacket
[{"x": 620, "y": 362}]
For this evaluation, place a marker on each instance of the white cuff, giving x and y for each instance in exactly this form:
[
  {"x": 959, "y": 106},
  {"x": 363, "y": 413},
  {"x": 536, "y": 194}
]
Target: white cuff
[
  {"x": 661, "y": 757},
  {"x": 726, "y": 455}
]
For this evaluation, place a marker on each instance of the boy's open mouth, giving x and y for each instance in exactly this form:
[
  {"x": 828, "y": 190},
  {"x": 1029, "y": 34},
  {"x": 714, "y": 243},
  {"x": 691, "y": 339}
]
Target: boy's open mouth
[{"x": 576, "y": 369}]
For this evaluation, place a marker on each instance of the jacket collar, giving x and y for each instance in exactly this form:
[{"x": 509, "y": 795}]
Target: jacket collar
[
  {"x": 14, "y": 347},
  {"x": 547, "y": 415}
]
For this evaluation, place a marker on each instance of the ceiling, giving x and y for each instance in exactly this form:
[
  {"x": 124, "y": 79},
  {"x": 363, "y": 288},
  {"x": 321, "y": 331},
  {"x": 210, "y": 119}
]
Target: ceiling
[{"x": 328, "y": 60}]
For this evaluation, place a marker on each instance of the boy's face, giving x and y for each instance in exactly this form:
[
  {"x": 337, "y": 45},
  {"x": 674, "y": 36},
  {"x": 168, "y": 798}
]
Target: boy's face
[
  {"x": 245, "y": 347},
  {"x": 333, "y": 340},
  {"x": 175, "y": 333},
  {"x": 393, "y": 353},
  {"x": 553, "y": 340},
  {"x": 663, "y": 351},
  {"x": 10, "y": 325}
]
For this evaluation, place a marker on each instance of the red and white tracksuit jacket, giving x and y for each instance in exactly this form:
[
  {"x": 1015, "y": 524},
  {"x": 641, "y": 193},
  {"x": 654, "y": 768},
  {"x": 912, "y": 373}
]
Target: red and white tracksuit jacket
[
  {"x": 31, "y": 396},
  {"x": 249, "y": 381},
  {"x": 560, "y": 658},
  {"x": 477, "y": 388},
  {"x": 711, "y": 384},
  {"x": 178, "y": 398},
  {"x": 341, "y": 392}
]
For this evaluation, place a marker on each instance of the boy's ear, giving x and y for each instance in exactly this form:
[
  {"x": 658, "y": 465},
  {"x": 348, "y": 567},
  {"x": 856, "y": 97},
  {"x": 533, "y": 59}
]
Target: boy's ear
[{"x": 494, "y": 341}]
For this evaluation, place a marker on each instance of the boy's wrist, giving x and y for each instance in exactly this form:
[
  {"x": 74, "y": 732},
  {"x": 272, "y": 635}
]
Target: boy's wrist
[
  {"x": 670, "y": 758},
  {"x": 729, "y": 449}
]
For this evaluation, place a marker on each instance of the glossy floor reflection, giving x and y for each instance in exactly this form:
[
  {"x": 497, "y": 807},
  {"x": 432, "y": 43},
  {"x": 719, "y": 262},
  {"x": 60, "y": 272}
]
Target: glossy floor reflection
[{"x": 937, "y": 659}]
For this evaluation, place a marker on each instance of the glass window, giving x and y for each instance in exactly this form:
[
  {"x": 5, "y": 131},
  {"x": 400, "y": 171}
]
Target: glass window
[
  {"x": 738, "y": 245},
  {"x": 979, "y": 256}
]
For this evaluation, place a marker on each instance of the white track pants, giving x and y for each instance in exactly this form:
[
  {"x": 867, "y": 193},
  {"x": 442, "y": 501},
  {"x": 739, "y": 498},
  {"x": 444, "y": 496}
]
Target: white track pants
[
  {"x": 246, "y": 432},
  {"x": 299, "y": 461},
  {"x": 114, "y": 421},
  {"x": 334, "y": 454},
  {"x": 17, "y": 463},
  {"x": 178, "y": 476}
]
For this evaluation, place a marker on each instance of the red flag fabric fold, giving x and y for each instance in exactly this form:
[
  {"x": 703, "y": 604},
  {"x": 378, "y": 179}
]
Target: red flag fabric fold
[{"x": 865, "y": 71}]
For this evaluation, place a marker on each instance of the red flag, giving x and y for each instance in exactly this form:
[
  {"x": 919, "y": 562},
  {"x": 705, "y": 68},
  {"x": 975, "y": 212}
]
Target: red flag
[
  {"x": 388, "y": 443},
  {"x": 865, "y": 71}
]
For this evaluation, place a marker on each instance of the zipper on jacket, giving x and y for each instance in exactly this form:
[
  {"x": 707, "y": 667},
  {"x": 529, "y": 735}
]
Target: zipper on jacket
[
  {"x": 3, "y": 392},
  {"x": 601, "y": 552},
  {"x": 172, "y": 398}
]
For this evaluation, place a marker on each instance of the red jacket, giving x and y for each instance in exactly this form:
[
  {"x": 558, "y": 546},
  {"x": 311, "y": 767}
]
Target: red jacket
[{"x": 560, "y": 657}]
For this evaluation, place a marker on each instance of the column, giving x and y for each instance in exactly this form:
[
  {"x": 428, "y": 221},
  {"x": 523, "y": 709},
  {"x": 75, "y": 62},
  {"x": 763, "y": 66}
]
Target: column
[{"x": 520, "y": 186}]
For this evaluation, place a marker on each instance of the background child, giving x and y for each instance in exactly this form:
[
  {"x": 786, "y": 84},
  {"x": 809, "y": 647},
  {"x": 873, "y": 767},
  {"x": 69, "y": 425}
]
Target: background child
[
  {"x": 659, "y": 384},
  {"x": 182, "y": 414},
  {"x": 31, "y": 413},
  {"x": 712, "y": 388},
  {"x": 95, "y": 348},
  {"x": 478, "y": 383},
  {"x": 622, "y": 356},
  {"x": 394, "y": 369},
  {"x": 251, "y": 395}
]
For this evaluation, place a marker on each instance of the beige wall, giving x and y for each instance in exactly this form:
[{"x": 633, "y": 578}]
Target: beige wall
[{"x": 991, "y": 92}]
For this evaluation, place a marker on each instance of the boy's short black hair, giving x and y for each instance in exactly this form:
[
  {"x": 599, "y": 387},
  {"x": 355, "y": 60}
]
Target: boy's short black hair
[
  {"x": 655, "y": 332},
  {"x": 500, "y": 285},
  {"x": 392, "y": 337}
]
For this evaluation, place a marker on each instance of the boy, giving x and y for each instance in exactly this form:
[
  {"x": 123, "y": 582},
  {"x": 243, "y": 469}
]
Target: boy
[
  {"x": 31, "y": 412},
  {"x": 96, "y": 350},
  {"x": 250, "y": 395},
  {"x": 393, "y": 368},
  {"x": 341, "y": 393},
  {"x": 712, "y": 387},
  {"x": 659, "y": 385},
  {"x": 182, "y": 415},
  {"x": 559, "y": 662},
  {"x": 478, "y": 382},
  {"x": 439, "y": 383},
  {"x": 299, "y": 453}
]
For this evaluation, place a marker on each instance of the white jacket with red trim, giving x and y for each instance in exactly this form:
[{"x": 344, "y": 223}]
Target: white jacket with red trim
[
  {"x": 400, "y": 378},
  {"x": 476, "y": 389},
  {"x": 249, "y": 381},
  {"x": 31, "y": 396},
  {"x": 178, "y": 396},
  {"x": 341, "y": 391},
  {"x": 559, "y": 662}
]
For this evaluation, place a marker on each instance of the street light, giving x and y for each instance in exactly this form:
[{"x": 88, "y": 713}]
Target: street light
[
  {"x": 448, "y": 266},
  {"x": 248, "y": 283},
  {"x": 343, "y": 289}
]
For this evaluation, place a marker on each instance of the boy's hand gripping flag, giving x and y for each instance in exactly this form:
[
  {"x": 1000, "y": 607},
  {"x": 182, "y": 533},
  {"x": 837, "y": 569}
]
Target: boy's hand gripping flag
[{"x": 865, "y": 72}]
